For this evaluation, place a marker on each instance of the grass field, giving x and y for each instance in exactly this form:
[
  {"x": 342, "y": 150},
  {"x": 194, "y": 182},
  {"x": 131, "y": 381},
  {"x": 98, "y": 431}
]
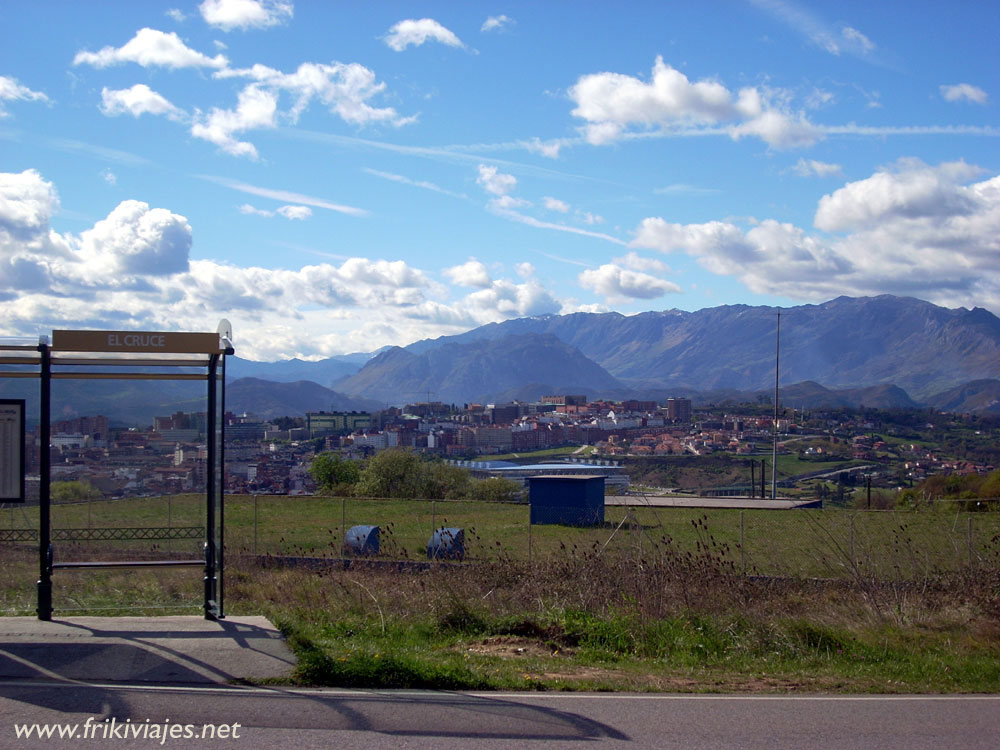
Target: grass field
[{"x": 667, "y": 600}]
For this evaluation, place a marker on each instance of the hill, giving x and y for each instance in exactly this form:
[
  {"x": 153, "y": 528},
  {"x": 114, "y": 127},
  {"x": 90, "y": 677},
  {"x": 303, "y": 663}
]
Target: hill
[{"x": 480, "y": 371}]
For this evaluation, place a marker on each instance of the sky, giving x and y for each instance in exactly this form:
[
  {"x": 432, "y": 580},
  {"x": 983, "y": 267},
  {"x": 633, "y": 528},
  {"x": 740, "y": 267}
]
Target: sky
[{"x": 338, "y": 177}]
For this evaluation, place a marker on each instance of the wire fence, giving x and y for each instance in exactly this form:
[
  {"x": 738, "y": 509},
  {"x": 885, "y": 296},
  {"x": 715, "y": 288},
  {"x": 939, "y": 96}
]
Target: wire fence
[{"x": 278, "y": 529}]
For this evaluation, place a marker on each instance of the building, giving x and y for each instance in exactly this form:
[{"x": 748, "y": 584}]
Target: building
[
  {"x": 679, "y": 409},
  {"x": 324, "y": 423}
]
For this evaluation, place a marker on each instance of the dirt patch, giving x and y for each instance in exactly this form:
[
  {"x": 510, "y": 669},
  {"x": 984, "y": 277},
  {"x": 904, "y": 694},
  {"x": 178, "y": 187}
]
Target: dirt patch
[{"x": 512, "y": 646}]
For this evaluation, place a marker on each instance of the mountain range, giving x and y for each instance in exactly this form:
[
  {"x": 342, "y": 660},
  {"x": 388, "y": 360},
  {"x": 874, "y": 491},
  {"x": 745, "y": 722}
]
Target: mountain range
[
  {"x": 881, "y": 352},
  {"x": 847, "y": 345}
]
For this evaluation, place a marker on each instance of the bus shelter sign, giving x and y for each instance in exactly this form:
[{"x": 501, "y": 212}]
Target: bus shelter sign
[
  {"x": 137, "y": 341},
  {"x": 11, "y": 451}
]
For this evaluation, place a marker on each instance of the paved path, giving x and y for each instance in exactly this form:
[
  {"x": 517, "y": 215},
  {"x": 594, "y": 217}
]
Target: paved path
[{"x": 162, "y": 650}]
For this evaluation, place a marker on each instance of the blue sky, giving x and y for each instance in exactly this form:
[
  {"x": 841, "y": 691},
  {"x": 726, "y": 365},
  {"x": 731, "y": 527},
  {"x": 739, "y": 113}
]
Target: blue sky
[{"x": 336, "y": 177}]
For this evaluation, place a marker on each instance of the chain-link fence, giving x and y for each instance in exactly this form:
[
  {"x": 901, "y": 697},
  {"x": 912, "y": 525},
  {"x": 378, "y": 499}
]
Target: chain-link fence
[{"x": 311, "y": 530}]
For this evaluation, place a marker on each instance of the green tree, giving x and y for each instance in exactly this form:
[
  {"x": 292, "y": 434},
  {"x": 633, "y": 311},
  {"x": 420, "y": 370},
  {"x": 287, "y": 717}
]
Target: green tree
[
  {"x": 334, "y": 473},
  {"x": 496, "y": 490},
  {"x": 444, "y": 481},
  {"x": 392, "y": 473},
  {"x": 70, "y": 492}
]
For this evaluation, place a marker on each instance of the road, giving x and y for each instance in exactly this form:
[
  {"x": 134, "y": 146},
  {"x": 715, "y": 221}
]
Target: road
[{"x": 380, "y": 720}]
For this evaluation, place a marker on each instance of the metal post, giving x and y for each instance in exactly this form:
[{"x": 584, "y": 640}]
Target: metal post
[
  {"x": 44, "y": 486},
  {"x": 970, "y": 541},
  {"x": 222, "y": 489},
  {"x": 852, "y": 540},
  {"x": 210, "y": 605},
  {"x": 255, "y": 525},
  {"x": 774, "y": 452},
  {"x": 343, "y": 525},
  {"x": 743, "y": 557},
  {"x": 529, "y": 536}
]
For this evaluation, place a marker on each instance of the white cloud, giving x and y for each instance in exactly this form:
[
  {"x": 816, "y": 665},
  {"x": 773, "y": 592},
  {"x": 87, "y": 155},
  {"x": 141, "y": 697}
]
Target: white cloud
[
  {"x": 471, "y": 273},
  {"x": 909, "y": 189},
  {"x": 11, "y": 90},
  {"x": 960, "y": 92},
  {"x": 250, "y": 210},
  {"x": 136, "y": 101},
  {"x": 524, "y": 270},
  {"x": 554, "y": 204},
  {"x": 149, "y": 48},
  {"x": 617, "y": 283},
  {"x": 286, "y": 195},
  {"x": 175, "y": 14},
  {"x": 496, "y": 23},
  {"x": 494, "y": 181},
  {"x": 414, "y": 183},
  {"x": 136, "y": 240},
  {"x": 413, "y": 32},
  {"x": 588, "y": 218},
  {"x": 615, "y": 105},
  {"x": 911, "y": 230},
  {"x": 344, "y": 88},
  {"x": 635, "y": 262},
  {"x": 295, "y": 213},
  {"x": 821, "y": 33},
  {"x": 133, "y": 270},
  {"x": 813, "y": 168},
  {"x": 256, "y": 109},
  {"x": 245, "y": 14},
  {"x": 109, "y": 177},
  {"x": 854, "y": 37}
]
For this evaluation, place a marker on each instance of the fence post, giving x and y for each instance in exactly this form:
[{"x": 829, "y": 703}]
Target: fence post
[
  {"x": 853, "y": 566},
  {"x": 529, "y": 536},
  {"x": 255, "y": 525},
  {"x": 970, "y": 541},
  {"x": 743, "y": 557},
  {"x": 343, "y": 524}
]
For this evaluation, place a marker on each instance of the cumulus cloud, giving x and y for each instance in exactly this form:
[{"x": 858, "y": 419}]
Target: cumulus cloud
[
  {"x": 345, "y": 89},
  {"x": 616, "y": 105},
  {"x": 137, "y": 100},
  {"x": 256, "y": 109},
  {"x": 414, "y": 32},
  {"x": 908, "y": 189},
  {"x": 554, "y": 204},
  {"x": 133, "y": 270},
  {"x": 295, "y": 213},
  {"x": 496, "y": 23},
  {"x": 471, "y": 273},
  {"x": 245, "y": 14},
  {"x": 620, "y": 284},
  {"x": 495, "y": 182},
  {"x": 11, "y": 90},
  {"x": 151, "y": 48},
  {"x": 911, "y": 229},
  {"x": 964, "y": 92},
  {"x": 813, "y": 168}
]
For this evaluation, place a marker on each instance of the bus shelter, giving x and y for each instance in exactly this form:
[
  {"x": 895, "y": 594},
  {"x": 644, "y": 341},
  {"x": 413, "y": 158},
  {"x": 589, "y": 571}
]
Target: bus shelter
[{"x": 121, "y": 355}]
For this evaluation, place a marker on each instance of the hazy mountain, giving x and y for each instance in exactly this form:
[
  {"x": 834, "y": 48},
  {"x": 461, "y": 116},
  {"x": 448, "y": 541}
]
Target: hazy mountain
[
  {"x": 844, "y": 343},
  {"x": 324, "y": 371},
  {"x": 979, "y": 395},
  {"x": 485, "y": 370},
  {"x": 268, "y": 399}
]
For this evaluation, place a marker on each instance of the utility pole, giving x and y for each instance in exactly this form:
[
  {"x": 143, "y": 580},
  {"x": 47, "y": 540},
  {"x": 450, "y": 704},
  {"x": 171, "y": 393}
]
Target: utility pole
[{"x": 774, "y": 426}]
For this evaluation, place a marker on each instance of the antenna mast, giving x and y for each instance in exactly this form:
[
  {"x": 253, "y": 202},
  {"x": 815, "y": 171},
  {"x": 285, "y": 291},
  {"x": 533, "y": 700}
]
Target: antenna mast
[{"x": 774, "y": 425}]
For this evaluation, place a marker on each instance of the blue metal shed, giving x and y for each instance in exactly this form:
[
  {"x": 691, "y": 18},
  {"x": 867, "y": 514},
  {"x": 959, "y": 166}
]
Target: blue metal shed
[{"x": 568, "y": 500}]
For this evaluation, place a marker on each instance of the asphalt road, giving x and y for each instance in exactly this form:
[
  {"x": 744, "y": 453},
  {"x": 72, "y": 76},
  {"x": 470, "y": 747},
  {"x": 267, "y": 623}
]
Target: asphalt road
[{"x": 377, "y": 720}]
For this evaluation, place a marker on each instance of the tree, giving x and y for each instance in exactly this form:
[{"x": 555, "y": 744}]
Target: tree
[
  {"x": 496, "y": 490},
  {"x": 392, "y": 473},
  {"x": 334, "y": 473},
  {"x": 70, "y": 492}
]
